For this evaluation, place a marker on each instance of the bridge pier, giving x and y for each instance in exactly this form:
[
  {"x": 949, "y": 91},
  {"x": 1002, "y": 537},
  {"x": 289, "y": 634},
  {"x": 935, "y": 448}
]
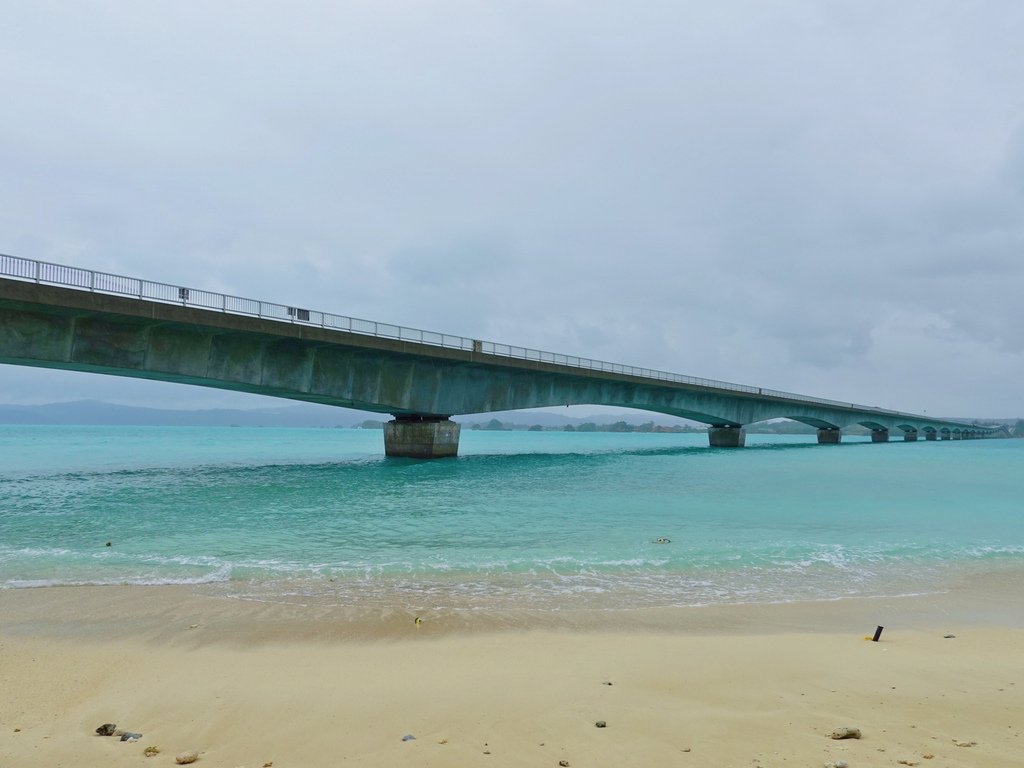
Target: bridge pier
[
  {"x": 421, "y": 437},
  {"x": 726, "y": 436},
  {"x": 931, "y": 435},
  {"x": 910, "y": 435},
  {"x": 947, "y": 436},
  {"x": 879, "y": 435},
  {"x": 829, "y": 436}
]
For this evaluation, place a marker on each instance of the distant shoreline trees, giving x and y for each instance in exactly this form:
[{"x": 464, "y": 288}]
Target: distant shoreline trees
[{"x": 783, "y": 427}]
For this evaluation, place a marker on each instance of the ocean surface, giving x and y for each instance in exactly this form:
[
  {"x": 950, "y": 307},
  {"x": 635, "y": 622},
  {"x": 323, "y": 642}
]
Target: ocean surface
[{"x": 543, "y": 521}]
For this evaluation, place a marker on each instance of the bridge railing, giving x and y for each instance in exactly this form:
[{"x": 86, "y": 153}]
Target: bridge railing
[{"x": 105, "y": 282}]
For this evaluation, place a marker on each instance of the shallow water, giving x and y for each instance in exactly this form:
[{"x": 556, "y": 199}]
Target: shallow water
[{"x": 543, "y": 520}]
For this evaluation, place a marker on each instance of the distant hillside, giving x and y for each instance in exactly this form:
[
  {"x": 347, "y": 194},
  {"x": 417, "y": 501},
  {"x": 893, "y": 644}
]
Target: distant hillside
[{"x": 93, "y": 412}]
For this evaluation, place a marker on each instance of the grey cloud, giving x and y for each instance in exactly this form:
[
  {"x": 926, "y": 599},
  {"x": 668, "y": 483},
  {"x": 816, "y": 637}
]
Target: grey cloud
[{"x": 798, "y": 195}]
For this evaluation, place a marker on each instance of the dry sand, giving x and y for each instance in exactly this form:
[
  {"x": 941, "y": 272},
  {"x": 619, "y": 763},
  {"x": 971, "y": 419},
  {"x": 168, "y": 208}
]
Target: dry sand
[{"x": 304, "y": 687}]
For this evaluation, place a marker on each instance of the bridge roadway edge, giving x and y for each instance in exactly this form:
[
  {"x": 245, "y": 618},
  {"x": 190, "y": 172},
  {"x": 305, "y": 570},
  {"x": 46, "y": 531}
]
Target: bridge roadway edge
[{"x": 52, "y": 326}]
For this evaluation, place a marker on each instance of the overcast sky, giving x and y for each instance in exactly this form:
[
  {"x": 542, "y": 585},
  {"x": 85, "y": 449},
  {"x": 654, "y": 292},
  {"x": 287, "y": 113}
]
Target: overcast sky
[{"x": 825, "y": 198}]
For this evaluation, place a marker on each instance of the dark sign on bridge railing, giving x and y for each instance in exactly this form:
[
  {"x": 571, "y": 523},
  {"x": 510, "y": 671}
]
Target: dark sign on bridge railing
[{"x": 103, "y": 282}]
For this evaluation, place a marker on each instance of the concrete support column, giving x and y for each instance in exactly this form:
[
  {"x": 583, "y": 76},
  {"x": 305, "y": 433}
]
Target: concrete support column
[
  {"x": 829, "y": 436},
  {"x": 727, "y": 437},
  {"x": 421, "y": 437},
  {"x": 931, "y": 436},
  {"x": 910, "y": 435},
  {"x": 879, "y": 435}
]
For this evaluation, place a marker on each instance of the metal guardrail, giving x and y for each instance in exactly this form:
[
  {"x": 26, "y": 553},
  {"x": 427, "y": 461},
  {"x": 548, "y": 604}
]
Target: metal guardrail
[{"x": 104, "y": 282}]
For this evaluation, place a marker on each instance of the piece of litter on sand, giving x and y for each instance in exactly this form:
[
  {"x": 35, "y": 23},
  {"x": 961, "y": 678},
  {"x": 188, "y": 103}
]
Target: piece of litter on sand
[
  {"x": 964, "y": 743},
  {"x": 151, "y": 751},
  {"x": 129, "y": 736},
  {"x": 845, "y": 733},
  {"x": 408, "y": 737},
  {"x": 948, "y": 637}
]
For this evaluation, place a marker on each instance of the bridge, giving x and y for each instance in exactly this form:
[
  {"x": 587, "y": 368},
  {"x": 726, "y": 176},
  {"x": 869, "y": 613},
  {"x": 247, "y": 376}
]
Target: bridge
[{"x": 58, "y": 316}]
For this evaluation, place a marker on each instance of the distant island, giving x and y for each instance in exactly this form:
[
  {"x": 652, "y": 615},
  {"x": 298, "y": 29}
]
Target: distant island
[
  {"x": 619, "y": 425},
  {"x": 311, "y": 416}
]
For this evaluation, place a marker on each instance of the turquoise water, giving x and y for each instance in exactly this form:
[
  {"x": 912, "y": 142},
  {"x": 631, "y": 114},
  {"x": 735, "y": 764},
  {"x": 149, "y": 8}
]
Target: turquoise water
[{"x": 543, "y": 520}]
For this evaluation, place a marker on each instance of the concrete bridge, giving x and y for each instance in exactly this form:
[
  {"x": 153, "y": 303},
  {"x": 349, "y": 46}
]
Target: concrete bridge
[{"x": 56, "y": 316}]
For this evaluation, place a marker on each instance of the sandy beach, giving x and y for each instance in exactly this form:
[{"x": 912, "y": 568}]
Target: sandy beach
[{"x": 251, "y": 684}]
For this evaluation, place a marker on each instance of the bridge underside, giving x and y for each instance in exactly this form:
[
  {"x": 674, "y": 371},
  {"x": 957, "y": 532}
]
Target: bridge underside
[{"x": 421, "y": 385}]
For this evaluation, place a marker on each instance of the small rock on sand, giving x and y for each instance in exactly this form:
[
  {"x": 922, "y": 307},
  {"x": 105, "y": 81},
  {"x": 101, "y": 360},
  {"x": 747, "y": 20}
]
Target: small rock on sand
[
  {"x": 107, "y": 729},
  {"x": 906, "y": 762},
  {"x": 964, "y": 743},
  {"x": 564, "y": 763},
  {"x": 837, "y": 764},
  {"x": 186, "y": 757},
  {"x": 151, "y": 751},
  {"x": 601, "y": 724},
  {"x": 846, "y": 733}
]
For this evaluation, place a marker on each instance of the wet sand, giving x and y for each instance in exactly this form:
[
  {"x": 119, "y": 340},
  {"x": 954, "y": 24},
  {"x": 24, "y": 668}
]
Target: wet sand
[{"x": 248, "y": 683}]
